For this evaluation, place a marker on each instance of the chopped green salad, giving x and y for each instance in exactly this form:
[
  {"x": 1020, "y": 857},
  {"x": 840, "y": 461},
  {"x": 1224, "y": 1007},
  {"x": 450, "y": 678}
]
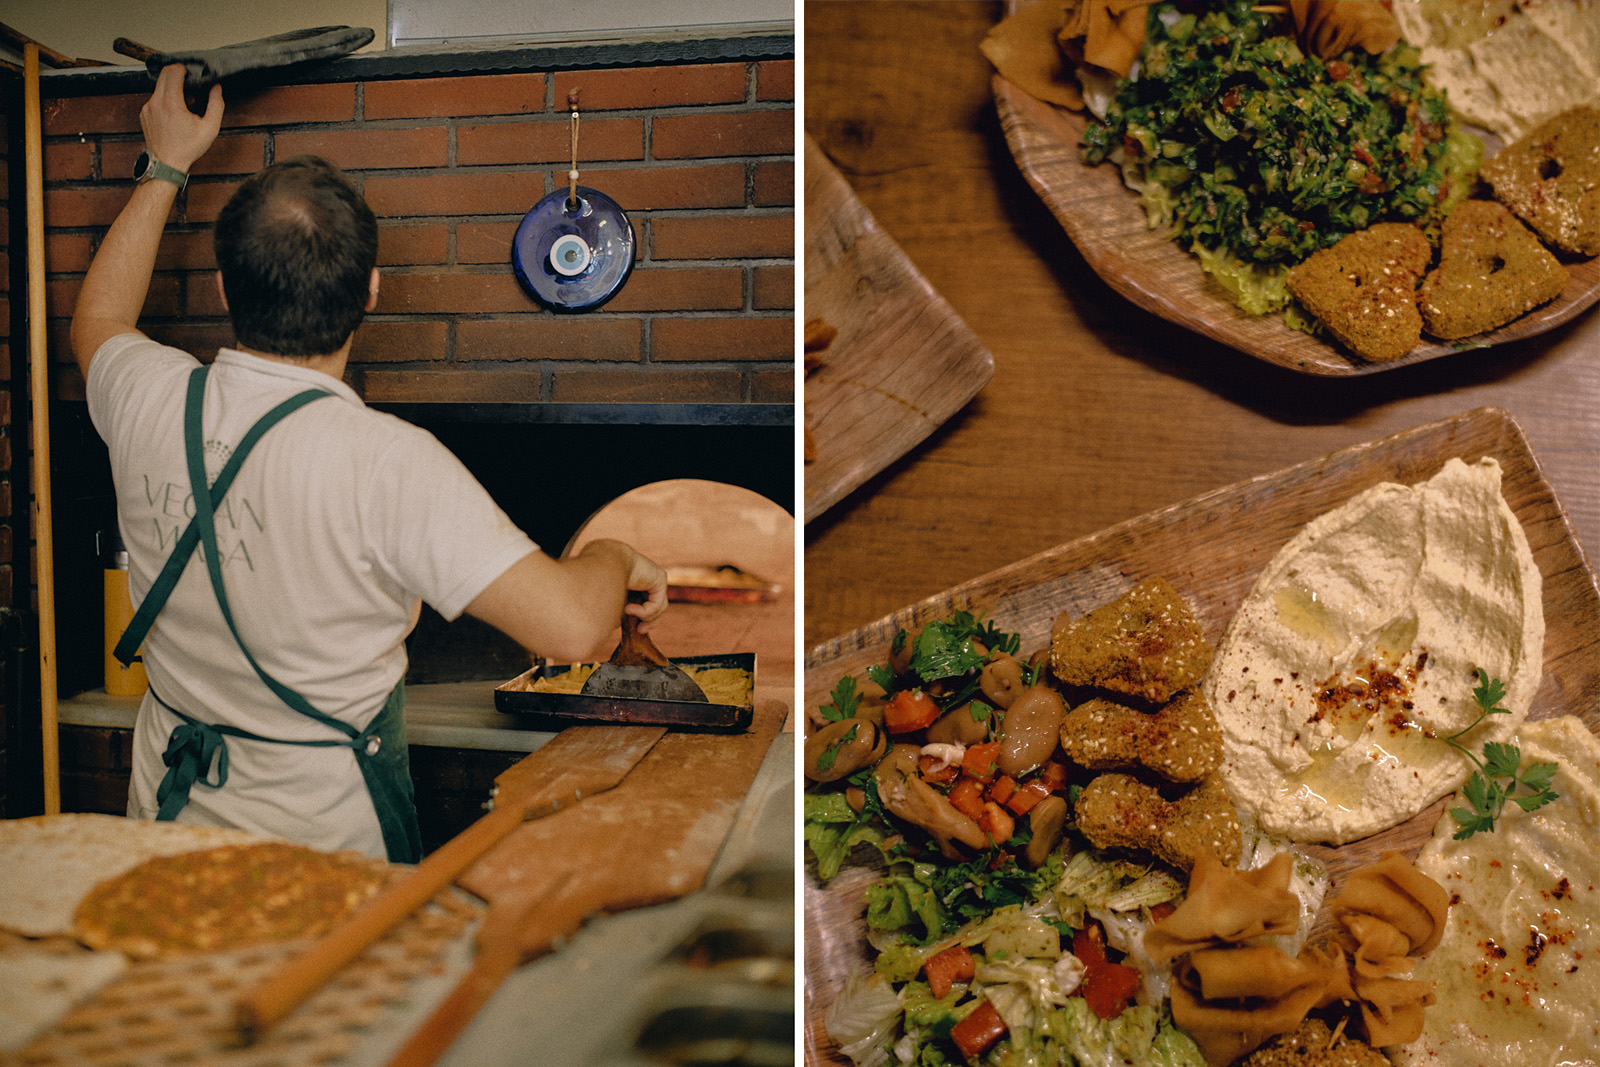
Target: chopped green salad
[
  {"x": 1257, "y": 155},
  {"x": 1001, "y": 952}
]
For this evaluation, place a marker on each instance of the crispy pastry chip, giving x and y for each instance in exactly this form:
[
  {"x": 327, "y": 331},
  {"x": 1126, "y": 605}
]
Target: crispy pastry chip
[
  {"x": 1230, "y": 1000},
  {"x": 1022, "y": 47},
  {"x": 1402, "y": 896},
  {"x": 1105, "y": 33},
  {"x": 1227, "y": 906},
  {"x": 1327, "y": 28}
]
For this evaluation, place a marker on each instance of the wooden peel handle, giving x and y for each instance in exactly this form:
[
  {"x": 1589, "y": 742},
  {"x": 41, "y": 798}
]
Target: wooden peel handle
[
  {"x": 636, "y": 649},
  {"x": 291, "y": 985}
]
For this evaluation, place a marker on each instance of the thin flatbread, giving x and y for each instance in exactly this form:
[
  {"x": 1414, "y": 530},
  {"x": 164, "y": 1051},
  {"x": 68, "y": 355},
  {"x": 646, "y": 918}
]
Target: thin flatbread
[
  {"x": 42, "y": 987},
  {"x": 229, "y": 897},
  {"x": 49, "y": 863}
]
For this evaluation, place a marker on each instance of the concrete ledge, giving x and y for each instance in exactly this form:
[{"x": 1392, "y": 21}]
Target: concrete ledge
[{"x": 446, "y": 715}]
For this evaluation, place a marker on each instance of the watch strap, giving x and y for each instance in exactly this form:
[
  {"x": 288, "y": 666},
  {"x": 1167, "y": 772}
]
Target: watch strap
[{"x": 149, "y": 167}]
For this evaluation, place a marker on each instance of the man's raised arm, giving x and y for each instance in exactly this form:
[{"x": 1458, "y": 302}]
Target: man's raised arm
[{"x": 113, "y": 291}]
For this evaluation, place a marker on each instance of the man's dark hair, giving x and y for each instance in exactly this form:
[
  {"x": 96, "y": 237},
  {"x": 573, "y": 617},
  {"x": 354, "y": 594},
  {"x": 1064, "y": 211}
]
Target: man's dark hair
[{"x": 296, "y": 245}]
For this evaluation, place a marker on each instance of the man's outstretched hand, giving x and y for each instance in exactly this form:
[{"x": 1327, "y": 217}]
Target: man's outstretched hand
[{"x": 172, "y": 133}]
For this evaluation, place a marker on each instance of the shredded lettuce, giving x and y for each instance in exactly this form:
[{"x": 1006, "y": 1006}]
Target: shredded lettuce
[
  {"x": 832, "y": 829},
  {"x": 1089, "y": 881},
  {"x": 1140, "y": 1036},
  {"x": 865, "y": 1019}
]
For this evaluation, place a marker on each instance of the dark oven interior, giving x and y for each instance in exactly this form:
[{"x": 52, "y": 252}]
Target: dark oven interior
[{"x": 549, "y": 476}]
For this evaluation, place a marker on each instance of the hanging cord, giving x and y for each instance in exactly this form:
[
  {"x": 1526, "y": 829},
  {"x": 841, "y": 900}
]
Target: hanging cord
[{"x": 572, "y": 175}]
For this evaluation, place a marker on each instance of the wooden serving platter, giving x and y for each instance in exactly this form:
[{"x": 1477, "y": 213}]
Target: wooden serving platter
[
  {"x": 1211, "y": 549},
  {"x": 903, "y": 361},
  {"x": 1105, "y": 221}
]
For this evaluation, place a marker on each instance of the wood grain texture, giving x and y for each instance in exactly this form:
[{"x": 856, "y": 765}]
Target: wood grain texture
[
  {"x": 649, "y": 840},
  {"x": 1212, "y": 549},
  {"x": 576, "y": 763},
  {"x": 1105, "y": 221},
  {"x": 903, "y": 361}
]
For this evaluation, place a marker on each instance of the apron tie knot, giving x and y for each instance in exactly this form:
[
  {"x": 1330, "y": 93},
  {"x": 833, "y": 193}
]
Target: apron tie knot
[{"x": 190, "y": 748}]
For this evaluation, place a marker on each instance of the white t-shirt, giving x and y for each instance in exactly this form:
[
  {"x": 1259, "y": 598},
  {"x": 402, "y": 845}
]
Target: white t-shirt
[{"x": 339, "y": 521}]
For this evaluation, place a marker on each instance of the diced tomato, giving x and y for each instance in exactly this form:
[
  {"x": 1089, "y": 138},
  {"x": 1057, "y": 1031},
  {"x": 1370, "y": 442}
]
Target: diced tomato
[
  {"x": 945, "y": 969},
  {"x": 946, "y": 773},
  {"x": 979, "y": 762},
  {"x": 1089, "y": 944},
  {"x": 1027, "y": 798},
  {"x": 978, "y": 1031},
  {"x": 1108, "y": 987},
  {"x": 908, "y": 710},
  {"x": 967, "y": 796},
  {"x": 997, "y": 823},
  {"x": 1053, "y": 775},
  {"x": 1162, "y": 910},
  {"x": 1001, "y": 788}
]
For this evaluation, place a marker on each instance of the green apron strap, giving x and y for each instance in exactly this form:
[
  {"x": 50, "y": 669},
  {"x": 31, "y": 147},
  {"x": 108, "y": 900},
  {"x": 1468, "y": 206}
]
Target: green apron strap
[
  {"x": 128, "y": 645},
  {"x": 384, "y": 757},
  {"x": 205, "y": 516},
  {"x": 380, "y": 750},
  {"x": 190, "y": 750}
]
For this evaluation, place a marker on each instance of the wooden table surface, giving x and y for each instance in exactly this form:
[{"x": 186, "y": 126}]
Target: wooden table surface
[{"x": 1097, "y": 412}]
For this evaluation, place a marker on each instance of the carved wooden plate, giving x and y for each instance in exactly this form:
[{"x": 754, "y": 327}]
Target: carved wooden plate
[
  {"x": 903, "y": 361},
  {"x": 1105, "y": 221},
  {"x": 1211, "y": 548}
]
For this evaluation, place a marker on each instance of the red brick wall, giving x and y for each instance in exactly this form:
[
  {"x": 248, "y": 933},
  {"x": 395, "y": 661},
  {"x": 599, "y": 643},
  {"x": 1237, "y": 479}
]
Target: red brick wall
[{"x": 701, "y": 156}]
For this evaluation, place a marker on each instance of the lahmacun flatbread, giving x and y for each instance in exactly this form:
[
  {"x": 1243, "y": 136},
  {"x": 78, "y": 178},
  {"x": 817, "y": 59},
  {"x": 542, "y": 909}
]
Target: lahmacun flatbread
[
  {"x": 228, "y": 897},
  {"x": 49, "y": 863}
]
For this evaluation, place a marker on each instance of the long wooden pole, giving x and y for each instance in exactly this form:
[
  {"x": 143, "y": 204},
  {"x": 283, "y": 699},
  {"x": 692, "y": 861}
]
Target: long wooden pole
[{"x": 39, "y": 380}]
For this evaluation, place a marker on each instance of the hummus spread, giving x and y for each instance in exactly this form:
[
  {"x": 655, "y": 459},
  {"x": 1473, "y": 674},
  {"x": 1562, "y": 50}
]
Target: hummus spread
[
  {"x": 1358, "y": 647},
  {"x": 1516, "y": 971}
]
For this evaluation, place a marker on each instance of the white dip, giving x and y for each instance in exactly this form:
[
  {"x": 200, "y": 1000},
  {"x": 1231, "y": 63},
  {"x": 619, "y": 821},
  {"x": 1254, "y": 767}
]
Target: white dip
[
  {"x": 1361, "y": 639},
  {"x": 1517, "y": 972}
]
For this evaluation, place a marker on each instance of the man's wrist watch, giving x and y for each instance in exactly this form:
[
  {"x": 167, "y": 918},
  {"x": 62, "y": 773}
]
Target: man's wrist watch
[{"x": 147, "y": 167}]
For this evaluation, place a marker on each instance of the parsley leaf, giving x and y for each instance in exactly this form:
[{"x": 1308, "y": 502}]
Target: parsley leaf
[
  {"x": 882, "y": 675},
  {"x": 1499, "y": 773},
  {"x": 845, "y": 700},
  {"x": 830, "y": 755},
  {"x": 946, "y": 648}
]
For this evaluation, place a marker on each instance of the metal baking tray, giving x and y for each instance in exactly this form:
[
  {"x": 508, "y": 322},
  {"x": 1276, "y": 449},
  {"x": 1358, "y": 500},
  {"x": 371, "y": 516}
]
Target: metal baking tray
[{"x": 559, "y": 710}]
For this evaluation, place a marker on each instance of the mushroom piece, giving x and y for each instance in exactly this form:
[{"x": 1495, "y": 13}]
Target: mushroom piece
[
  {"x": 906, "y": 795},
  {"x": 842, "y": 748}
]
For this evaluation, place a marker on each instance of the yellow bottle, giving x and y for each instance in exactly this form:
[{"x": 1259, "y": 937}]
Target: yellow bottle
[{"x": 121, "y": 681}]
